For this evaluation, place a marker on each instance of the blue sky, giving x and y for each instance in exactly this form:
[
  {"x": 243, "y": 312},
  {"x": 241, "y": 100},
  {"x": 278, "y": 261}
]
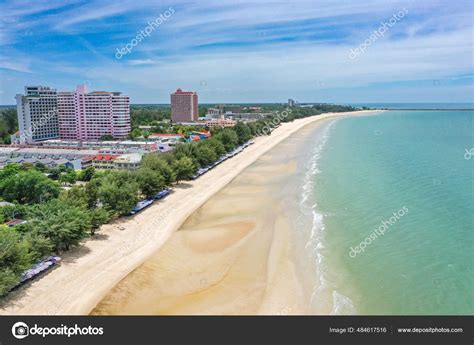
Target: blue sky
[{"x": 242, "y": 51}]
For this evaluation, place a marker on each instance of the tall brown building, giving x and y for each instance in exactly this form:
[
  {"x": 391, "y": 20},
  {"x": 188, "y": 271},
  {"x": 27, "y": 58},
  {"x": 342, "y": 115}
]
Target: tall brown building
[{"x": 184, "y": 106}]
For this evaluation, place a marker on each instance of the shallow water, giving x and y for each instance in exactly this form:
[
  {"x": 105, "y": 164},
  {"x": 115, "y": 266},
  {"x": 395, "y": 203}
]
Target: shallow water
[{"x": 374, "y": 166}]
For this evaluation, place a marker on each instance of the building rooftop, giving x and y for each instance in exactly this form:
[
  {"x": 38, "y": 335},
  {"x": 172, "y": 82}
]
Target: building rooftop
[
  {"x": 55, "y": 151},
  {"x": 181, "y": 92},
  {"x": 130, "y": 158},
  {"x": 102, "y": 158}
]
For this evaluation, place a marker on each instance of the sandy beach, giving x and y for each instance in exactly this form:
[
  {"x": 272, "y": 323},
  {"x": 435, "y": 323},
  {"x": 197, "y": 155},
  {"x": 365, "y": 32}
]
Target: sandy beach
[
  {"x": 89, "y": 272},
  {"x": 234, "y": 254}
]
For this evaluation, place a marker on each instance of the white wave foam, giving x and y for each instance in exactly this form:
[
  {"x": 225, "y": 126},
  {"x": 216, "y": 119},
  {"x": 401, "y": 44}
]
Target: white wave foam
[
  {"x": 314, "y": 242},
  {"x": 315, "y": 245},
  {"x": 342, "y": 305},
  {"x": 312, "y": 165}
]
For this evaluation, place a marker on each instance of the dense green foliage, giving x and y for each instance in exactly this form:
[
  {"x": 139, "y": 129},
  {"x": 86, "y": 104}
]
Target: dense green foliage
[
  {"x": 27, "y": 187},
  {"x": 64, "y": 225},
  {"x": 86, "y": 174},
  {"x": 183, "y": 168},
  {"x": 150, "y": 182},
  {"x": 118, "y": 192},
  {"x": 147, "y": 114},
  {"x": 17, "y": 253},
  {"x": 8, "y": 124}
]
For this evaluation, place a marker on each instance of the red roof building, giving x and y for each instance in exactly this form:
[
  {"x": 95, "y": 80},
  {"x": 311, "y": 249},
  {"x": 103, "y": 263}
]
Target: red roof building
[{"x": 100, "y": 161}]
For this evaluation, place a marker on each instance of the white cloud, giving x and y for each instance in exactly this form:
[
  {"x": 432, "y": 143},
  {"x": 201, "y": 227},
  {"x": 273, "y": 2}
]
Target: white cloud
[
  {"x": 140, "y": 62},
  {"x": 15, "y": 66},
  {"x": 269, "y": 74},
  {"x": 94, "y": 11}
]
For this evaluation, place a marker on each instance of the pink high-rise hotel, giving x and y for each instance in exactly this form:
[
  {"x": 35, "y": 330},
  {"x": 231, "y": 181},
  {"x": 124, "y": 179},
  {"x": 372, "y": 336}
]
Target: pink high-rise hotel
[
  {"x": 86, "y": 115},
  {"x": 184, "y": 106}
]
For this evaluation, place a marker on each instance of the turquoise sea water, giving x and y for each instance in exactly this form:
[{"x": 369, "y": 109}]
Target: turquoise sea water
[
  {"x": 412, "y": 163},
  {"x": 420, "y": 106}
]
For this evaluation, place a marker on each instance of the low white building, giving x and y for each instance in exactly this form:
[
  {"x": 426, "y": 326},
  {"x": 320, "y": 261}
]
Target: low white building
[
  {"x": 220, "y": 123},
  {"x": 130, "y": 161}
]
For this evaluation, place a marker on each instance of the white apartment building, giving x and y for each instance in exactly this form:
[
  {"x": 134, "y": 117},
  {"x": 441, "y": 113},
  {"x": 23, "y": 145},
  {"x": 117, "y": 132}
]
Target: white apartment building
[{"x": 37, "y": 114}]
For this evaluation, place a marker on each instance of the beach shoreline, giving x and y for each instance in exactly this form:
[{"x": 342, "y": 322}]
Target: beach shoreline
[{"x": 91, "y": 270}]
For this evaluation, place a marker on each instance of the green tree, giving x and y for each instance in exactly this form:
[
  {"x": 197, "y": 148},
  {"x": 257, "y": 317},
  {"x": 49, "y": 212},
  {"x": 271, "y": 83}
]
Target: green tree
[
  {"x": 206, "y": 153},
  {"x": 55, "y": 173},
  {"x": 228, "y": 138},
  {"x": 9, "y": 170},
  {"x": 13, "y": 251},
  {"x": 135, "y": 133},
  {"x": 150, "y": 182},
  {"x": 92, "y": 191},
  {"x": 99, "y": 216},
  {"x": 118, "y": 192},
  {"x": 27, "y": 166},
  {"x": 39, "y": 246},
  {"x": 68, "y": 178},
  {"x": 41, "y": 167},
  {"x": 243, "y": 132},
  {"x": 8, "y": 124},
  {"x": 146, "y": 135},
  {"x": 187, "y": 150},
  {"x": 160, "y": 165},
  {"x": 8, "y": 279},
  {"x": 76, "y": 196},
  {"x": 183, "y": 169},
  {"x": 14, "y": 258},
  {"x": 10, "y": 212},
  {"x": 217, "y": 146},
  {"x": 28, "y": 187},
  {"x": 86, "y": 174},
  {"x": 62, "y": 224}
]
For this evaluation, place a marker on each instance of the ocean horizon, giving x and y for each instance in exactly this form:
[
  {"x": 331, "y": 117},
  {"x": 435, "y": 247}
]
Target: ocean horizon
[{"x": 417, "y": 106}]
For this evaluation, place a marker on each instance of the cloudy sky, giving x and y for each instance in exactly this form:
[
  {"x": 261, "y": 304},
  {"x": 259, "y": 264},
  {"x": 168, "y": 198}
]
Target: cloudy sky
[{"x": 242, "y": 51}]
